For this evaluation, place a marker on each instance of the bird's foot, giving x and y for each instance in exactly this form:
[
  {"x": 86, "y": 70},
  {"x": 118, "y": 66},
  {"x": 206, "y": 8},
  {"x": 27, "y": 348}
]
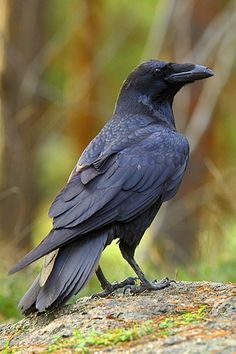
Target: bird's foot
[
  {"x": 110, "y": 288},
  {"x": 147, "y": 285}
]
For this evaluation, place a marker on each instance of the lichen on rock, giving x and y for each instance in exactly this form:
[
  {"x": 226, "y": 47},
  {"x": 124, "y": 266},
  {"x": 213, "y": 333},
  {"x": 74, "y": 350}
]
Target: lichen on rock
[{"x": 188, "y": 317}]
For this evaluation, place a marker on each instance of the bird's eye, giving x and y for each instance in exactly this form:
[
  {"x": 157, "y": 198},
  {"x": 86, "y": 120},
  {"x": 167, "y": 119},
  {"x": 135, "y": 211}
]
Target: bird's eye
[{"x": 157, "y": 72}]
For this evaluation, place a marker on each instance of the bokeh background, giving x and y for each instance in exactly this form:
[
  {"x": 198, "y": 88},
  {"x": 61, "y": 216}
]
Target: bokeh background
[{"x": 62, "y": 63}]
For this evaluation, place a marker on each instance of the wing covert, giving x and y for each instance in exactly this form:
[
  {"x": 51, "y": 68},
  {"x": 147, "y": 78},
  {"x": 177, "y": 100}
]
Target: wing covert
[{"x": 127, "y": 184}]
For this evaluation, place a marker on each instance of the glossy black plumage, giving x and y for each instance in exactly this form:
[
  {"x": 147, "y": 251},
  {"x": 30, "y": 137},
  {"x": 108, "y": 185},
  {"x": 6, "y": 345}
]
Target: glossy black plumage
[{"x": 134, "y": 164}]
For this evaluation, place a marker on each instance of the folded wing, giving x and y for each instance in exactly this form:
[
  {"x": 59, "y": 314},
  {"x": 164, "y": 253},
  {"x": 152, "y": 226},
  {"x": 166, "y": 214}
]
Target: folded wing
[{"x": 121, "y": 188}]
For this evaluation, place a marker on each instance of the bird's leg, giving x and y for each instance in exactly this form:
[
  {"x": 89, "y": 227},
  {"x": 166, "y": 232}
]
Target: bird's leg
[
  {"x": 128, "y": 254},
  {"x": 109, "y": 288},
  {"x": 102, "y": 279}
]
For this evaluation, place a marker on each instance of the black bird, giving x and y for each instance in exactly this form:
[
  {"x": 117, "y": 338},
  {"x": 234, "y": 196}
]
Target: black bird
[{"x": 128, "y": 170}]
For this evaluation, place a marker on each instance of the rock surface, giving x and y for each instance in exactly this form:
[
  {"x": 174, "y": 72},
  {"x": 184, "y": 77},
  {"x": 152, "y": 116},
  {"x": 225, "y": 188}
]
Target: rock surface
[{"x": 187, "y": 317}]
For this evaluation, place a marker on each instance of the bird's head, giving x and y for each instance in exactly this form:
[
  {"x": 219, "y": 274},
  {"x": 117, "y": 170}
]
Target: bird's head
[{"x": 161, "y": 80}]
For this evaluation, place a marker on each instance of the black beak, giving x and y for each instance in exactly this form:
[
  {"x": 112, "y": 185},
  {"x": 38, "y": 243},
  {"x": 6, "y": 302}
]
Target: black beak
[{"x": 188, "y": 73}]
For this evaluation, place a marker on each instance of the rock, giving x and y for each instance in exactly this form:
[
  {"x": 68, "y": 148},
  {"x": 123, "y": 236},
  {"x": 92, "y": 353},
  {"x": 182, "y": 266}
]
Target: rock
[{"x": 188, "y": 317}]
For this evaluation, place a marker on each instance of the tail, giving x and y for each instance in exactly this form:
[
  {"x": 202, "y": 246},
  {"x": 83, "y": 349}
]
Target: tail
[{"x": 74, "y": 265}]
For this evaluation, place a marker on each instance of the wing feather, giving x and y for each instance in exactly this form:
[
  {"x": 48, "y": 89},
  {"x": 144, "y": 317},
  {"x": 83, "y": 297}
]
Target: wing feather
[{"x": 131, "y": 181}]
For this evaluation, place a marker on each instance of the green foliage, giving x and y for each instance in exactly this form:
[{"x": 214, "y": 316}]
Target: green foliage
[
  {"x": 12, "y": 289},
  {"x": 9, "y": 297},
  {"x": 184, "y": 319},
  {"x": 6, "y": 350},
  {"x": 82, "y": 342},
  {"x": 8, "y": 307},
  {"x": 56, "y": 161},
  {"x": 217, "y": 260}
]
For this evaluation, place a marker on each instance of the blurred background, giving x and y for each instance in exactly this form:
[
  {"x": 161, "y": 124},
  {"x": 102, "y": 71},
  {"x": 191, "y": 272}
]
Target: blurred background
[{"x": 62, "y": 63}]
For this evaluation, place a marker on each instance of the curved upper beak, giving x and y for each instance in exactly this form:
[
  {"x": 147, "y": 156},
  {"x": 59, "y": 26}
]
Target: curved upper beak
[{"x": 185, "y": 74}]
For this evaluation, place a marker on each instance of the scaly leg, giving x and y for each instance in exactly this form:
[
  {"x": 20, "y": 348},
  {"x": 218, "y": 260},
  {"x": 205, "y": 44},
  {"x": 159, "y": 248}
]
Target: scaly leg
[
  {"x": 128, "y": 254},
  {"x": 109, "y": 288}
]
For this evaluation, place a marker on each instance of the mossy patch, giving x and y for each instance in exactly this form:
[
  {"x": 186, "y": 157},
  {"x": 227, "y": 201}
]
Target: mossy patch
[
  {"x": 83, "y": 342},
  {"x": 157, "y": 327},
  {"x": 180, "y": 318},
  {"x": 169, "y": 325},
  {"x": 6, "y": 350}
]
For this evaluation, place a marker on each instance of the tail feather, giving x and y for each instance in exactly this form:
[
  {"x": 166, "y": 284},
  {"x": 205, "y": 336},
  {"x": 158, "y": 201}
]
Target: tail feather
[
  {"x": 73, "y": 267},
  {"x": 81, "y": 280},
  {"x": 45, "y": 247},
  {"x": 27, "y": 303},
  {"x": 77, "y": 284}
]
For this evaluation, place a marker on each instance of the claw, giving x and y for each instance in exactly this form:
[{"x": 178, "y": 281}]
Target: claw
[
  {"x": 128, "y": 288},
  {"x": 112, "y": 287},
  {"x": 155, "y": 285}
]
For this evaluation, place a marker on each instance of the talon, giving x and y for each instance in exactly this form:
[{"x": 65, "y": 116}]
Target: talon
[
  {"x": 118, "y": 285},
  {"x": 126, "y": 288},
  {"x": 155, "y": 285},
  {"x": 168, "y": 281}
]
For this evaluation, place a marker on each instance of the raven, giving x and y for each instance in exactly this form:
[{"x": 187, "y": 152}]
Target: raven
[{"x": 128, "y": 170}]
